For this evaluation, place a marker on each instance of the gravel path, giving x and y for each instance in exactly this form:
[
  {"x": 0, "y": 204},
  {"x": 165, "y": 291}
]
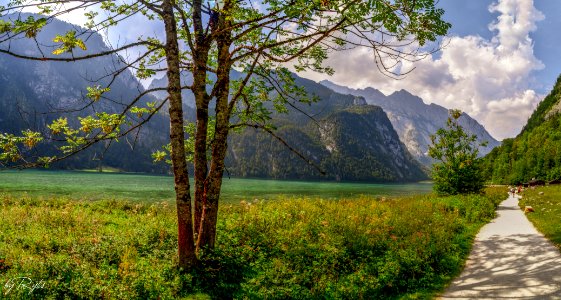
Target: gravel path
[{"x": 510, "y": 259}]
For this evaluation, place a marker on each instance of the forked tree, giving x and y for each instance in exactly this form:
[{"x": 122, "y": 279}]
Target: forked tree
[{"x": 262, "y": 39}]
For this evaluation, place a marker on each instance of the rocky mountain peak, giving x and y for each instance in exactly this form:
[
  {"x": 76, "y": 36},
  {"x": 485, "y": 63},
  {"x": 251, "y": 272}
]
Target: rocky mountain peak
[
  {"x": 407, "y": 98},
  {"x": 414, "y": 120},
  {"x": 359, "y": 101}
]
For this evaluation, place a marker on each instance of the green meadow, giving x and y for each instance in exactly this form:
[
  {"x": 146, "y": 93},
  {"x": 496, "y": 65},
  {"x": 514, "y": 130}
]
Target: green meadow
[
  {"x": 309, "y": 244},
  {"x": 94, "y": 186},
  {"x": 546, "y": 202}
]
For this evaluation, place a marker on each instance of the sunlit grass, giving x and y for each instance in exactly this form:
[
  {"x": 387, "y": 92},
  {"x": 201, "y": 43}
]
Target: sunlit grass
[
  {"x": 302, "y": 248},
  {"x": 547, "y": 210}
]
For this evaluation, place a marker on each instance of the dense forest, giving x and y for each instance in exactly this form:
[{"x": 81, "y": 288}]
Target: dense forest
[{"x": 536, "y": 151}]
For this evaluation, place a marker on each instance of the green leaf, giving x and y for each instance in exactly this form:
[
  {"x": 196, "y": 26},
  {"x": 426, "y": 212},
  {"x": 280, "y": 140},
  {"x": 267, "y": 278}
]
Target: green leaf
[{"x": 69, "y": 43}]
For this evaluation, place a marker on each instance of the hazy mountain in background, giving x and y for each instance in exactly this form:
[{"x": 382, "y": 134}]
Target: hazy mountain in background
[{"x": 414, "y": 120}]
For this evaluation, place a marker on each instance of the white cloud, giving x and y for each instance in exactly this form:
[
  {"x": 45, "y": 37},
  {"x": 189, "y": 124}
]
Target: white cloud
[{"x": 488, "y": 79}]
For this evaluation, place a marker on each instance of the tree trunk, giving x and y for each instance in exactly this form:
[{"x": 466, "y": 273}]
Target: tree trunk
[
  {"x": 200, "y": 155},
  {"x": 202, "y": 99},
  {"x": 207, "y": 234},
  {"x": 213, "y": 183},
  {"x": 201, "y": 168},
  {"x": 186, "y": 246}
]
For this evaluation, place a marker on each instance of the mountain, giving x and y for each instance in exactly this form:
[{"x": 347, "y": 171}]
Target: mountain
[
  {"x": 536, "y": 151},
  {"x": 414, "y": 120},
  {"x": 33, "y": 93},
  {"x": 357, "y": 143},
  {"x": 347, "y": 138},
  {"x": 341, "y": 134}
]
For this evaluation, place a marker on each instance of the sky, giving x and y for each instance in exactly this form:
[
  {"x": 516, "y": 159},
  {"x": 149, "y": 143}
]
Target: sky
[{"x": 500, "y": 59}]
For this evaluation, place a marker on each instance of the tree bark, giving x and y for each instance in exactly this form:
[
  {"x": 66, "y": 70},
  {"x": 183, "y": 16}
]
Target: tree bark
[
  {"x": 201, "y": 167},
  {"x": 213, "y": 183},
  {"x": 185, "y": 239},
  {"x": 202, "y": 99},
  {"x": 209, "y": 219}
]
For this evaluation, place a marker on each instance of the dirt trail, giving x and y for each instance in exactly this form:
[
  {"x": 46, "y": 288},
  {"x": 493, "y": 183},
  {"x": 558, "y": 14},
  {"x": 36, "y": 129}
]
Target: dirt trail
[{"x": 510, "y": 259}]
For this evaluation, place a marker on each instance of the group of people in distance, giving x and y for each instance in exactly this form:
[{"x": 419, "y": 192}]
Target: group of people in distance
[{"x": 514, "y": 190}]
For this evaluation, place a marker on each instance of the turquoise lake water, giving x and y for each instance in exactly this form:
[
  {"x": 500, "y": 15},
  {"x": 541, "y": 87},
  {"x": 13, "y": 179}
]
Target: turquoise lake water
[{"x": 90, "y": 185}]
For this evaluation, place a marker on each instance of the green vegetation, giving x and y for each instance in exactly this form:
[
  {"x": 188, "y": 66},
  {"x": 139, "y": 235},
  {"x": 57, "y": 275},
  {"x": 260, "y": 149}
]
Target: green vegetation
[
  {"x": 547, "y": 209},
  {"x": 139, "y": 187},
  {"x": 459, "y": 169},
  {"x": 357, "y": 143},
  {"x": 288, "y": 249},
  {"x": 535, "y": 152}
]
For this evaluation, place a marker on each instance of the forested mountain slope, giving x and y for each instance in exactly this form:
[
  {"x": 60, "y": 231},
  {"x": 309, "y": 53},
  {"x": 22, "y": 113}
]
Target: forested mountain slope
[
  {"x": 34, "y": 93},
  {"x": 353, "y": 144},
  {"x": 536, "y": 151},
  {"x": 342, "y": 135}
]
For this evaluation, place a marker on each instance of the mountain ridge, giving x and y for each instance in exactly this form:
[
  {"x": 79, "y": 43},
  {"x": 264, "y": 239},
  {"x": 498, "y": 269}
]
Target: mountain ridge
[
  {"x": 34, "y": 93},
  {"x": 414, "y": 120},
  {"x": 42, "y": 85}
]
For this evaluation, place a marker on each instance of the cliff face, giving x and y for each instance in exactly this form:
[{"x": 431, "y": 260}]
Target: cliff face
[
  {"x": 414, "y": 120},
  {"x": 355, "y": 144},
  {"x": 366, "y": 145}
]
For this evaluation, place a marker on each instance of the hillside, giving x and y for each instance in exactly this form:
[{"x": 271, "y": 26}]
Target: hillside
[
  {"x": 536, "y": 151},
  {"x": 353, "y": 144},
  {"x": 414, "y": 120}
]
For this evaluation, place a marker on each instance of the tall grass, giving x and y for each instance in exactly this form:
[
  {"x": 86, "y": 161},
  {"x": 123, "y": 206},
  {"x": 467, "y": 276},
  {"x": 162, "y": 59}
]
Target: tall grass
[{"x": 290, "y": 249}]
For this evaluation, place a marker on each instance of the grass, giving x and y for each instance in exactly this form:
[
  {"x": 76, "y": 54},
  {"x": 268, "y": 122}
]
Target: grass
[
  {"x": 104, "y": 169},
  {"x": 357, "y": 248},
  {"x": 150, "y": 188},
  {"x": 547, "y": 211}
]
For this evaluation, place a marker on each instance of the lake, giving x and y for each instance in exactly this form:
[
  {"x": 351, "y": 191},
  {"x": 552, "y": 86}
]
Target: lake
[{"x": 91, "y": 185}]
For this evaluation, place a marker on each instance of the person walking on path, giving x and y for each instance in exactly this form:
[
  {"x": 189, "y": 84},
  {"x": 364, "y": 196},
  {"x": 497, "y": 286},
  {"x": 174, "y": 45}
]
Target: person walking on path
[{"x": 510, "y": 259}]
